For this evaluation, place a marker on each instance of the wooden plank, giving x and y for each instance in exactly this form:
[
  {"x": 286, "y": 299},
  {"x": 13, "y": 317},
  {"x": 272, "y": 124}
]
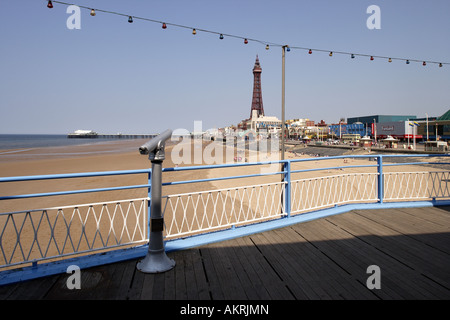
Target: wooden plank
[
  {"x": 241, "y": 272},
  {"x": 148, "y": 282},
  {"x": 278, "y": 260},
  {"x": 169, "y": 284},
  {"x": 202, "y": 286},
  {"x": 436, "y": 215},
  {"x": 136, "y": 285},
  {"x": 251, "y": 267},
  {"x": 266, "y": 275},
  {"x": 181, "y": 278},
  {"x": 409, "y": 250},
  {"x": 301, "y": 277},
  {"x": 413, "y": 282},
  {"x": 228, "y": 277},
  {"x": 308, "y": 260},
  {"x": 346, "y": 252},
  {"x": 158, "y": 286},
  {"x": 30, "y": 290},
  {"x": 211, "y": 273},
  {"x": 336, "y": 270}
]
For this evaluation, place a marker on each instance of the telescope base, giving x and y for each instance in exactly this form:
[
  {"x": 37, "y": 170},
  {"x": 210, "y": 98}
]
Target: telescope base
[{"x": 155, "y": 262}]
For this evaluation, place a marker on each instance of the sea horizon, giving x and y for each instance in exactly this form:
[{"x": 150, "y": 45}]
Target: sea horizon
[{"x": 40, "y": 140}]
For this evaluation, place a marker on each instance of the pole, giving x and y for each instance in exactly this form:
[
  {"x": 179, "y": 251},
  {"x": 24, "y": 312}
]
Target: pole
[{"x": 282, "y": 100}]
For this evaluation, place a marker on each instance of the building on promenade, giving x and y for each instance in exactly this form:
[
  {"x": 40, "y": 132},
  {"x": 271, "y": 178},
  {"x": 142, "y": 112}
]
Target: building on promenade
[{"x": 435, "y": 128}]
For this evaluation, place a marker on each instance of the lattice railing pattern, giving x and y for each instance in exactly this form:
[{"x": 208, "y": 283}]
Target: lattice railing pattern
[
  {"x": 416, "y": 185},
  {"x": 316, "y": 193},
  {"x": 190, "y": 213},
  {"x": 64, "y": 231}
]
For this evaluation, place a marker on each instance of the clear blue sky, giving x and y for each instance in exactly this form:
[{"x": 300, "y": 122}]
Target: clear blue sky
[{"x": 112, "y": 76}]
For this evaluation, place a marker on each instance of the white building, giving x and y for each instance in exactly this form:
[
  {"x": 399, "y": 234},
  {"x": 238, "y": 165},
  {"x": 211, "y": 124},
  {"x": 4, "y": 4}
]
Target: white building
[{"x": 269, "y": 123}]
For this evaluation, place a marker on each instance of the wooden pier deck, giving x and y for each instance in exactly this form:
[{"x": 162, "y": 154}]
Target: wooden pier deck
[{"x": 321, "y": 259}]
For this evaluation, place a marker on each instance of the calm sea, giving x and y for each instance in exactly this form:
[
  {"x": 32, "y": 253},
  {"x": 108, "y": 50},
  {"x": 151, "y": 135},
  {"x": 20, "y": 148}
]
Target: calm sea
[{"x": 19, "y": 141}]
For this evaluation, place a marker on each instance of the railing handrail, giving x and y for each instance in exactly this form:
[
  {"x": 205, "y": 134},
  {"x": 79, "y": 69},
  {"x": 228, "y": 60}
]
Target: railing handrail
[{"x": 202, "y": 167}]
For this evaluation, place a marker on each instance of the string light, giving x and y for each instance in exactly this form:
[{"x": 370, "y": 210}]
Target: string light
[
  {"x": 221, "y": 36},
  {"x": 246, "y": 40}
]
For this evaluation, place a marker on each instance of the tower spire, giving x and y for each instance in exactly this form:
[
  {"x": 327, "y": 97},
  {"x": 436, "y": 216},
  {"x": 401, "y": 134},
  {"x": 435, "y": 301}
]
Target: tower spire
[{"x": 257, "y": 102}]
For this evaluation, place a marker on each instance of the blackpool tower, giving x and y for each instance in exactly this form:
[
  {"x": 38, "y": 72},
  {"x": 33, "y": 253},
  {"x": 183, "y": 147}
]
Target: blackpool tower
[{"x": 257, "y": 102}]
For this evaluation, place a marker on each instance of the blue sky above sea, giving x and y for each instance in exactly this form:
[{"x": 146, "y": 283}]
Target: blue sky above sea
[{"x": 112, "y": 76}]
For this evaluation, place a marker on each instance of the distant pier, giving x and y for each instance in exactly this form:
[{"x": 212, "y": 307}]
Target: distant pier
[{"x": 110, "y": 136}]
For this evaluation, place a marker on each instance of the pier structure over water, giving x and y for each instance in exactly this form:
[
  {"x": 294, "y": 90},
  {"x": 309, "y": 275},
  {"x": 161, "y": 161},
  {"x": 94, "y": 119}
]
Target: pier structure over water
[{"x": 89, "y": 134}]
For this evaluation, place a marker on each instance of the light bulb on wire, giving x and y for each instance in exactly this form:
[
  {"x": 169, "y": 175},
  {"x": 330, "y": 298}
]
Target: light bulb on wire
[
  {"x": 194, "y": 32},
  {"x": 164, "y": 26},
  {"x": 93, "y": 12},
  {"x": 49, "y": 5},
  {"x": 130, "y": 19}
]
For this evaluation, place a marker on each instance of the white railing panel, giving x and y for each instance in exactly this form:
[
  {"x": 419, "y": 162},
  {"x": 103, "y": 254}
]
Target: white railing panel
[
  {"x": 35, "y": 235},
  {"x": 191, "y": 213},
  {"x": 317, "y": 193},
  {"x": 416, "y": 185}
]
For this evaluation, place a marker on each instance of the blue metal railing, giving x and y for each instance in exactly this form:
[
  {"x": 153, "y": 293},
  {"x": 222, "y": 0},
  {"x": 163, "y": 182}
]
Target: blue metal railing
[{"x": 287, "y": 172}]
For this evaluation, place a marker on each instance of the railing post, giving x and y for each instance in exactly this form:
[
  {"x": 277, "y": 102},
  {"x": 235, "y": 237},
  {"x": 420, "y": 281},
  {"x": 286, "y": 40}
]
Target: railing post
[
  {"x": 149, "y": 203},
  {"x": 287, "y": 188},
  {"x": 156, "y": 260},
  {"x": 380, "y": 178}
]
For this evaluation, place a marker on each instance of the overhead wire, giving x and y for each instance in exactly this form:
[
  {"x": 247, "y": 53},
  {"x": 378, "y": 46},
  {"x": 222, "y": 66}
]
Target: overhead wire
[{"x": 268, "y": 44}]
